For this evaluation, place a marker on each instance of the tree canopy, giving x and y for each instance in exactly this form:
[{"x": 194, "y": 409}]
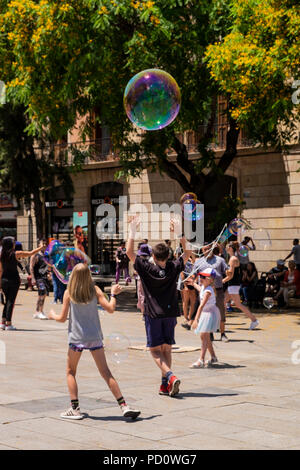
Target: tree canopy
[
  {"x": 25, "y": 170},
  {"x": 62, "y": 59},
  {"x": 257, "y": 64}
]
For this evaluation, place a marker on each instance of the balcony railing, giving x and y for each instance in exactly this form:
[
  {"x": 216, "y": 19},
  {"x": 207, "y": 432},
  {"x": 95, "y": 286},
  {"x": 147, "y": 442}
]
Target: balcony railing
[
  {"x": 101, "y": 150},
  {"x": 191, "y": 139}
]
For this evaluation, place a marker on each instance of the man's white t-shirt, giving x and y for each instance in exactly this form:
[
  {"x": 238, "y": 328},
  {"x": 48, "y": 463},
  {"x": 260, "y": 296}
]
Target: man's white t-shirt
[{"x": 296, "y": 253}]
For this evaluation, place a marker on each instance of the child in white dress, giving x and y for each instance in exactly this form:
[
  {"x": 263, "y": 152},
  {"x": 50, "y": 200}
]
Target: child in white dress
[{"x": 208, "y": 317}]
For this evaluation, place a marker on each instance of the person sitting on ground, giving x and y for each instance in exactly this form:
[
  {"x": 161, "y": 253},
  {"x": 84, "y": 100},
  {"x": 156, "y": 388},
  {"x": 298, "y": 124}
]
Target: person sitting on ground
[
  {"x": 249, "y": 279},
  {"x": 290, "y": 285},
  {"x": 274, "y": 278}
]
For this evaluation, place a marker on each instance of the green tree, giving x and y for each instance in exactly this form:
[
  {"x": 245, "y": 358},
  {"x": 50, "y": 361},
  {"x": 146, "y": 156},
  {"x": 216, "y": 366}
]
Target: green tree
[
  {"x": 62, "y": 59},
  {"x": 25, "y": 170},
  {"x": 257, "y": 64}
]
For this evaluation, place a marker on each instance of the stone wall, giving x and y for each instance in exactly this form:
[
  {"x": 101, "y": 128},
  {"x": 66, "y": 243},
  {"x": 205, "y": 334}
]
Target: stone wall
[{"x": 270, "y": 185}]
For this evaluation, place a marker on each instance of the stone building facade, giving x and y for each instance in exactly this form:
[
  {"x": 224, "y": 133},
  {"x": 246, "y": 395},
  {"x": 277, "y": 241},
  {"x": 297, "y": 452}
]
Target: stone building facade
[{"x": 268, "y": 182}]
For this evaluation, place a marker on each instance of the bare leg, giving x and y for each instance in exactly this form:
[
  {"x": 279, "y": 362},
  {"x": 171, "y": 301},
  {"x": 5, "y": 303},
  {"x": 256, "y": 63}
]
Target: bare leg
[
  {"x": 72, "y": 362},
  {"x": 240, "y": 306},
  {"x": 192, "y": 297},
  {"x": 210, "y": 347},
  {"x": 40, "y": 303},
  {"x": 100, "y": 360},
  {"x": 185, "y": 303},
  {"x": 161, "y": 359},
  {"x": 204, "y": 339},
  {"x": 167, "y": 352}
]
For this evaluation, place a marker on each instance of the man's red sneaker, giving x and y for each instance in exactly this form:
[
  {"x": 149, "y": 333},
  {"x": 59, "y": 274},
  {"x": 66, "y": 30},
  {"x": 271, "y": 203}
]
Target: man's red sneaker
[
  {"x": 173, "y": 386},
  {"x": 163, "y": 390}
]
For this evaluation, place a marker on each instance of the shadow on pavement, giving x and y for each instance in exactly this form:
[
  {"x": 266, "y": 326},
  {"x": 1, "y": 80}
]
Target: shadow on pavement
[
  {"x": 224, "y": 365},
  {"x": 120, "y": 418},
  {"x": 183, "y": 395},
  {"x": 240, "y": 340}
]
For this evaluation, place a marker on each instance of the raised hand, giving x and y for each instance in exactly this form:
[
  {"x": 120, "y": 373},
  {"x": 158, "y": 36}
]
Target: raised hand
[{"x": 116, "y": 289}]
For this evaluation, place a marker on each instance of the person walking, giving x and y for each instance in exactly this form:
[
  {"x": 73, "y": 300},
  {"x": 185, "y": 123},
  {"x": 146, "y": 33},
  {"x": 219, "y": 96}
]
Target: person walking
[
  {"x": 81, "y": 298},
  {"x": 188, "y": 294},
  {"x": 296, "y": 252},
  {"x": 207, "y": 319},
  {"x": 39, "y": 276},
  {"x": 10, "y": 279},
  {"x": 216, "y": 262},
  {"x": 159, "y": 281},
  {"x": 234, "y": 282},
  {"x": 122, "y": 262}
]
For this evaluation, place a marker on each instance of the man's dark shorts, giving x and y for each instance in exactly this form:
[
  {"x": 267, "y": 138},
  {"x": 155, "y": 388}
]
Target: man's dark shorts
[
  {"x": 43, "y": 286},
  {"x": 160, "y": 331}
]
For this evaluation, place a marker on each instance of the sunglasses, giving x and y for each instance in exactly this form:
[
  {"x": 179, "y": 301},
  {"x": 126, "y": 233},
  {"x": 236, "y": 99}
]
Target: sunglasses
[{"x": 203, "y": 277}]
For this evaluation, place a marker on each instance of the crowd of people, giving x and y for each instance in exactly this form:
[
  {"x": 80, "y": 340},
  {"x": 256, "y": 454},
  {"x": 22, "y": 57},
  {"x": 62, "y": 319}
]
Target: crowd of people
[{"x": 207, "y": 284}]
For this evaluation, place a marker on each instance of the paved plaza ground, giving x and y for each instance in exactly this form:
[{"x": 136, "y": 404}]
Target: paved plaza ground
[{"x": 251, "y": 400}]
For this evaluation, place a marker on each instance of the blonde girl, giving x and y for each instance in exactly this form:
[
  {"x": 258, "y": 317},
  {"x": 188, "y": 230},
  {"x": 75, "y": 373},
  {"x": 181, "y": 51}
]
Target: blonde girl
[
  {"x": 233, "y": 278},
  {"x": 207, "y": 318},
  {"x": 81, "y": 298}
]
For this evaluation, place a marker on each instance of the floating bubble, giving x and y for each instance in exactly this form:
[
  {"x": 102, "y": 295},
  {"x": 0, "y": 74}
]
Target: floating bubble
[
  {"x": 68, "y": 259},
  {"x": 95, "y": 269},
  {"x": 243, "y": 251},
  {"x": 268, "y": 302},
  {"x": 53, "y": 252},
  {"x": 152, "y": 99},
  {"x": 192, "y": 209},
  {"x": 235, "y": 225},
  {"x": 262, "y": 239},
  {"x": 116, "y": 347},
  {"x": 186, "y": 196}
]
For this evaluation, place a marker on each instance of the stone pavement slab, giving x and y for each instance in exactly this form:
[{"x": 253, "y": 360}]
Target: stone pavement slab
[{"x": 250, "y": 400}]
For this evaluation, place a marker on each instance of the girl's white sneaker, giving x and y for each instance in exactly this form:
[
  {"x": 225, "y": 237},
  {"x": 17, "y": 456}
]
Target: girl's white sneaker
[
  {"x": 2, "y": 326},
  {"x": 10, "y": 328},
  {"x": 253, "y": 325},
  {"x": 72, "y": 414}
]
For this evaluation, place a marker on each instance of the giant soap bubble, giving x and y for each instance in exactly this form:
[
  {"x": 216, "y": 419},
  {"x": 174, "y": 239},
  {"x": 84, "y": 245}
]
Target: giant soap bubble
[
  {"x": 53, "y": 252},
  {"x": 67, "y": 261},
  {"x": 262, "y": 239},
  {"x": 63, "y": 259},
  {"x": 235, "y": 225},
  {"x": 152, "y": 99},
  {"x": 192, "y": 210}
]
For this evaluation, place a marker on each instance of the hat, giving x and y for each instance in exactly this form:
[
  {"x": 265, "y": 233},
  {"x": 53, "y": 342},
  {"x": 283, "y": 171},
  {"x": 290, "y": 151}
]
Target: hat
[
  {"x": 280, "y": 262},
  {"x": 144, "y": 250},
  {"x": 208, "y": 272}
]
